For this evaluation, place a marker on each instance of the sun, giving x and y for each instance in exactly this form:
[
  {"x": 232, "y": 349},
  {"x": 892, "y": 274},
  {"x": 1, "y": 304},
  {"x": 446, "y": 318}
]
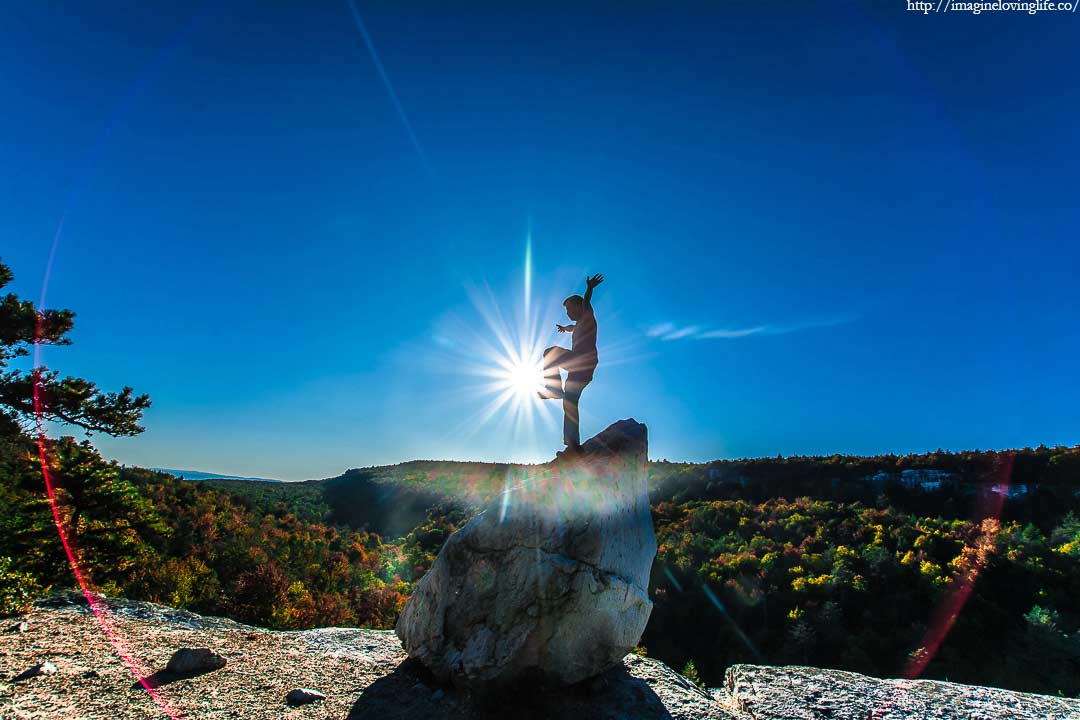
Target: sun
[{"x": 525, "y": 376}]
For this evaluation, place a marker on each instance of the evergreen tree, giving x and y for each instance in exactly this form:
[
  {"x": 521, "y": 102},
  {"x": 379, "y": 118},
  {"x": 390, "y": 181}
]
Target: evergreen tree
[
  {"x": 71, "y": 400},
  {"x": 102, "y": 514}
]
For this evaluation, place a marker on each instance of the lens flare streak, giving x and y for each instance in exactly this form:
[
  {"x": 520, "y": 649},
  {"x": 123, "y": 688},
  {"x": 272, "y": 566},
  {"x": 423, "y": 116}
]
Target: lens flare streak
[
  {"x": 734, "y": 625},
  {"x": 97, "y": 607}
]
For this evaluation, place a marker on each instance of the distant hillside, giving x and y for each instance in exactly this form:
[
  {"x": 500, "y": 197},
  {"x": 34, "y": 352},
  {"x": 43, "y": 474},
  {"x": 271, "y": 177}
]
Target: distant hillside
[
  {"x": 200, "y": 475},
  {"x": 389, "y": 500},
  {"x": 393, "y": 499}
]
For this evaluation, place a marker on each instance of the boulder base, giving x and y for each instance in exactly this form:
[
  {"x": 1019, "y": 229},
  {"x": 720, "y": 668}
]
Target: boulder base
[{"x": 550, "y": 580}]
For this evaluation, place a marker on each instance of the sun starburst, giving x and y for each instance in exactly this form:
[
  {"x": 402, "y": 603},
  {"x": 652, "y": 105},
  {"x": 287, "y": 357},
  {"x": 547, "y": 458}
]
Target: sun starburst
[{"x": 525, "y": 376}]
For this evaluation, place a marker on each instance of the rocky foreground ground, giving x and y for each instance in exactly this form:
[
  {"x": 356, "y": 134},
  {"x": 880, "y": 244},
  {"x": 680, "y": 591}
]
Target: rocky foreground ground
[{"x": 364, "y": 674}]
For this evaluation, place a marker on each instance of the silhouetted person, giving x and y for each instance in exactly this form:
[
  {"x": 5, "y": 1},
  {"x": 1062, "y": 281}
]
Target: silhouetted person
[{"x": 579, "y": 362}]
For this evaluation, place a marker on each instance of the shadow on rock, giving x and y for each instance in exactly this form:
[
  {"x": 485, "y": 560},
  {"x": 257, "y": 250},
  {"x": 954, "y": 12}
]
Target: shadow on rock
[
  {"x": 411, "y": 692},
  {"x": 164, "y": 677}
]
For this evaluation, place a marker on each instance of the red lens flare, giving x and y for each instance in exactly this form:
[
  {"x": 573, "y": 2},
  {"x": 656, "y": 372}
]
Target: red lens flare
[
  {"x": 973, "y": 559},
  {"x": 97, "y": 607}
]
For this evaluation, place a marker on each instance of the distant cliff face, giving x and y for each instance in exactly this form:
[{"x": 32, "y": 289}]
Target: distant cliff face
[{"x": 362, "y": 674}]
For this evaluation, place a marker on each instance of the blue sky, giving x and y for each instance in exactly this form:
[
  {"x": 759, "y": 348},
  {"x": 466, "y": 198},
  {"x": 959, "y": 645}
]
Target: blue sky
[{"x": 825, "y": 227}]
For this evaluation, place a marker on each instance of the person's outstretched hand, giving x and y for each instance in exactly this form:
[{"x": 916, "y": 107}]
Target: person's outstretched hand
[
  {"x": 564, "y": 328},
  {"x": 594, "y": 280}
]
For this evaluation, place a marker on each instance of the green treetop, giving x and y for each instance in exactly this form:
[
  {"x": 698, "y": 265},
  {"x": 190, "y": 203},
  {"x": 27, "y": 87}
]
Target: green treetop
[{"x": 71, "y": 400}]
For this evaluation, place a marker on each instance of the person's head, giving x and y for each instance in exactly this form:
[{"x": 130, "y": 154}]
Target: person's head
[{"x": 575, "y": 305}]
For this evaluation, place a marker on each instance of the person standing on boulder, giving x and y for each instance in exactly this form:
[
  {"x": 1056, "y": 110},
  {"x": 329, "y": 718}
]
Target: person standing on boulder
[{"x": 579, "y": 361}]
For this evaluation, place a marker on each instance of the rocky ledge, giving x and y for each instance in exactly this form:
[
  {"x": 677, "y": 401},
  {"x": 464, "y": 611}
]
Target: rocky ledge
[{"x": 356, "y": 673}]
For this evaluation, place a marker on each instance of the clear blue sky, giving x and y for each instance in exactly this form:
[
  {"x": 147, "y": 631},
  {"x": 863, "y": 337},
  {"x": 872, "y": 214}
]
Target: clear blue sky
[{"x": 874, "y": 213}]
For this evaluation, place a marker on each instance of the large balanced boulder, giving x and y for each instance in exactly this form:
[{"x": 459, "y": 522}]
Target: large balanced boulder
[{"x": 550, "y": 581}]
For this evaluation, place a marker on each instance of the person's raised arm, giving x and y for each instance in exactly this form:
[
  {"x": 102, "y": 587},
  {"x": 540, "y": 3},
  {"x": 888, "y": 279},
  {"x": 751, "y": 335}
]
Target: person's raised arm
[{"x": 592, "y": 282}]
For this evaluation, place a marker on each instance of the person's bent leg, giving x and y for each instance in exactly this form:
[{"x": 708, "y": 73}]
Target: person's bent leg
[{"x": 554, "y": 358}]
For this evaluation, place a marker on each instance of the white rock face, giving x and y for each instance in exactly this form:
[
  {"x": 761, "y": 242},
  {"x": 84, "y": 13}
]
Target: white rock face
[
  {"x": 550, "y": 580},
  {"x": 759, "y": 692}
]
